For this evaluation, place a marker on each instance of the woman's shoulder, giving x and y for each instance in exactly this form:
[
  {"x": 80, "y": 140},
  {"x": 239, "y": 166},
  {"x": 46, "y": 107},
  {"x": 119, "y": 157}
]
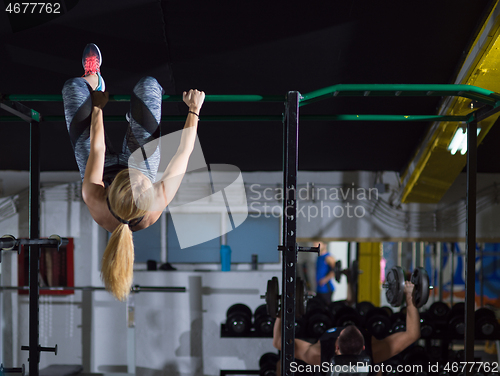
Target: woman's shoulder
[{"x": 94, "y": 197}]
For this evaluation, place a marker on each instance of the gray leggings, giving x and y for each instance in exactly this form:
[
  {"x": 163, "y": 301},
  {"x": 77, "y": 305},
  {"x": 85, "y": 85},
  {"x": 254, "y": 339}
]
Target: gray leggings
[{"x": 144, "y": 127}]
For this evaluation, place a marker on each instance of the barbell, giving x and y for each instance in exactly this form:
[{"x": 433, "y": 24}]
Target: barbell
[{"x": 395, "y": 285}]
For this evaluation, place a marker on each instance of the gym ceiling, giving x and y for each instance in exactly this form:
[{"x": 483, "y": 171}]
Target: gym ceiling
[{"x": 267, "y": 47}]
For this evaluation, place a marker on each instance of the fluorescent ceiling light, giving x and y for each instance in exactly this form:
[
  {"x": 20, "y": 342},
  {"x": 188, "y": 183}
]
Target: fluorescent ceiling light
[{"x": 459, "y": 141}]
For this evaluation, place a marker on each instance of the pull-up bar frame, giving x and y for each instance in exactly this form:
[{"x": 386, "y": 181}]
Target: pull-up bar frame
[
  {"x": 486, "y": 97},
  {"x": 293, "y": 101}
]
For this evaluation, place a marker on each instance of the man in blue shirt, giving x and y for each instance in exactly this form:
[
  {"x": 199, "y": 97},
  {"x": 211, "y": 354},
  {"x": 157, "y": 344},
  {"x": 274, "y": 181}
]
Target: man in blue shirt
[{"x": 324, "y": 274}]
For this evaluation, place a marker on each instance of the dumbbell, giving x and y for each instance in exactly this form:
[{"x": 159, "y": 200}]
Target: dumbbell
[
  {"x": 300, "y": 327},
  {"x": 456, "y": 322},
  {"x": 363, "y": 308},
  {"x": 335, "y": 307},
  {"x": 273, "y": 297},
  {"x": 388, "y": 309},
  {"x": 398, "y": 322},
  {"x": 395, "y": 285},
  {"x": 318, "y": 317},
  {"x": 239, "y": 319},
  {"x": 347, "y": 316},
  {"x": 426, "y": 325},
  {"x": 263, "y": 323},
  {"x": 459, "y": 356},
  {"x": 267, "y": 364},
  {"x": 438, "y": 314},
  {"x": 315, "y": 303},
  {"x": 486, "y": 323},
  {"x": 391, "y": 366},
  {"x": 378, "y": 323},
  {"x": 416, "y": 355},
  {"x": 439, "y": 311}
]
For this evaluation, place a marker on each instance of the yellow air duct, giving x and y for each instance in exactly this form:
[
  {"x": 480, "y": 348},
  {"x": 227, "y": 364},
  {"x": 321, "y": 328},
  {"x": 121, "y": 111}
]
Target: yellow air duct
[{"x": 433, "y": 169}]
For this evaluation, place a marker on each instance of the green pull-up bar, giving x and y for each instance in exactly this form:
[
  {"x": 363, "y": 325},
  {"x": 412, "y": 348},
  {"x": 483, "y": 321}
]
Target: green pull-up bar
[
  {"x": 165, "y": 98},
  {"x": 277, "y": 118},
  {"x": 345, "y": 90},
  {"x": 403, "y": 90}
]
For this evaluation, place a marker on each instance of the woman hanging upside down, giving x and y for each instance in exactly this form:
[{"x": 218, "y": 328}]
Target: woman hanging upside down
[{"x": 119, "y": 189}]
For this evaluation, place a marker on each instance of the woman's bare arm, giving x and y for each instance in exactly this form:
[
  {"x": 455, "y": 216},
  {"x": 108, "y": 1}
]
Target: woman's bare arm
[
  {"x": 93, "y": 186},
  {"x": 167, "y": 186}
]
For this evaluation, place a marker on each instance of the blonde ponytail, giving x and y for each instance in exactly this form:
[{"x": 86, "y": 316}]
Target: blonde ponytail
[
  {"x": 118, "y": 259},
  {"x": 118, "y": 262}
]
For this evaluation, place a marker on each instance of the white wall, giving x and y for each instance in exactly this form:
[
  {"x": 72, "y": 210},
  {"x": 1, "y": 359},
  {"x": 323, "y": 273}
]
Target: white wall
[
  {"x": 348, "y": 213},
  {"x": 179, "y": 333},
  {"x": 8, "y": 299}
]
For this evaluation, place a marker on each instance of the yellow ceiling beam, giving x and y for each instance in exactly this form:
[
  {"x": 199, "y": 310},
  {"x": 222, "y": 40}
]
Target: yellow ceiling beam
[{"x": 433, "y": 169}]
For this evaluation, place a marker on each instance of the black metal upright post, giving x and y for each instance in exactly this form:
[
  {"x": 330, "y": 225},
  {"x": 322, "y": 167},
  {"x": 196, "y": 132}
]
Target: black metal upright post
[
  {"x": 34, "y": 250},
  {"x": 470, "y": 248},
  {"x": 289, "y": 254}
]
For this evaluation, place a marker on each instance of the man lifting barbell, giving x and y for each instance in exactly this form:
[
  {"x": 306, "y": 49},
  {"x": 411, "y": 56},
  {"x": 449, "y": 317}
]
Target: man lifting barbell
[{"x": 352, "y": 341}]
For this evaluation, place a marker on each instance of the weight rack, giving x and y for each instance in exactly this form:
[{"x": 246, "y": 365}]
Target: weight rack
[{"x": 290, "y": 162}]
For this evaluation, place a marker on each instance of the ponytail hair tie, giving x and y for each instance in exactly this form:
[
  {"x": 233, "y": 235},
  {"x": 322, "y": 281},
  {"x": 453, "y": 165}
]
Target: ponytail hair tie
[
  {"x": 131, "y": 223},
  {"x": 114, "y": 215}
]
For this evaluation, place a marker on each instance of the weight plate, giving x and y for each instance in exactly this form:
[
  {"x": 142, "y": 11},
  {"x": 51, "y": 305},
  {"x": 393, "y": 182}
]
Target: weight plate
[
  {"x": 395, "y": 280},
  {"x": 420, "y": 279},
  {"x": 272, "y": 297},
  {"x": 337, "y": 270},
  {"x": 300, "y": 298},
  {"x": 354, "y": 279},
  {"x": 354, "y": 270}
]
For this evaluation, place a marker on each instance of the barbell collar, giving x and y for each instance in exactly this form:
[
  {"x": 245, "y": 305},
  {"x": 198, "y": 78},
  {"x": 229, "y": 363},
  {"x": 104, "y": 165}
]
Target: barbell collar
[
  {"x": 309, "y": 249},
  {"x": 48, "y": 349}
]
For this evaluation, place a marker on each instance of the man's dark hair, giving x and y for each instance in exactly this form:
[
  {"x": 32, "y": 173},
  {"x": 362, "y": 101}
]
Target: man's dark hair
[{"x": 350, "y": 341}]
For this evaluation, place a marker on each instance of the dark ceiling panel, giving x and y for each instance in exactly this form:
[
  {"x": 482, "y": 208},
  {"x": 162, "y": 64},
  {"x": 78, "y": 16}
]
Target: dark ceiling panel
[{"x": 259, "y": 47}]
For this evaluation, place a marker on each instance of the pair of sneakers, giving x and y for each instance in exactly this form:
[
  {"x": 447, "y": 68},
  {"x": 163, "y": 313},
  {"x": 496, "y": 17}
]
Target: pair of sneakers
[{"x": 91, "y": 62}]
